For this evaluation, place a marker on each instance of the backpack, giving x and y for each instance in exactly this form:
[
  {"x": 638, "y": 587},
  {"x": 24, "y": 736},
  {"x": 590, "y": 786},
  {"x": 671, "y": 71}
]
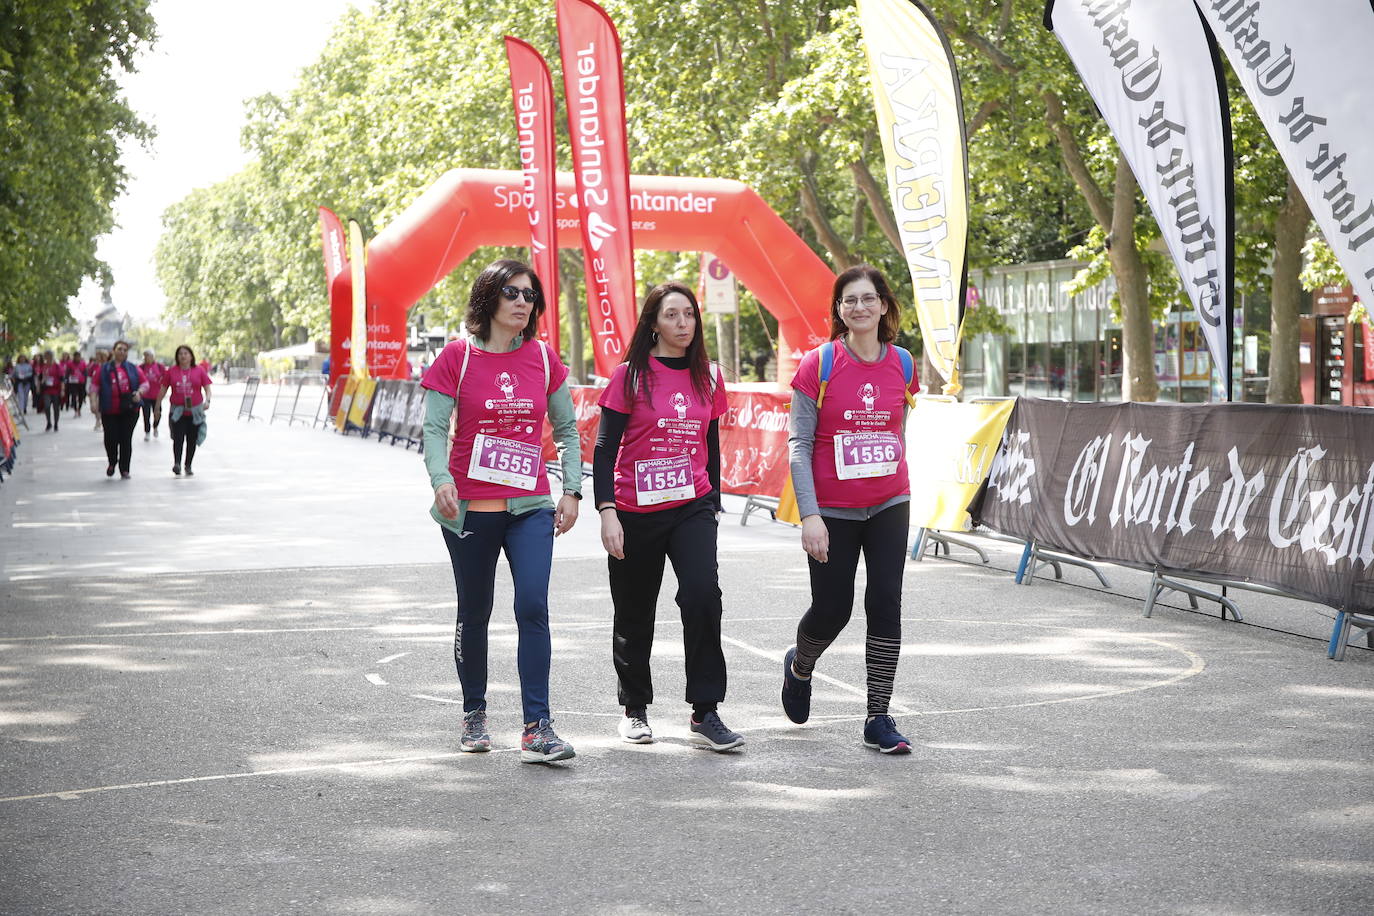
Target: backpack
[{"x": 828, "y": 363}]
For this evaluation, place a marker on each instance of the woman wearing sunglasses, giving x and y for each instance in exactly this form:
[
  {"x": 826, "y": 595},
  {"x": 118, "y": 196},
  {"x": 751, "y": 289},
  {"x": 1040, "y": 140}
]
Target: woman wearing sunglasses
[
  {"x": 656, "y": 474},
  {"x": 491, "y": 492},
  {"x": 848, "y": 461}
]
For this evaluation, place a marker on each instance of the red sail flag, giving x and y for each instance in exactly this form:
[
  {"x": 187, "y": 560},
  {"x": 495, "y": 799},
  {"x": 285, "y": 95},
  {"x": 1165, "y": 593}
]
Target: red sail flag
[
  {"x": 594, "y": 86},
  {"x": 532, "y": 92}
]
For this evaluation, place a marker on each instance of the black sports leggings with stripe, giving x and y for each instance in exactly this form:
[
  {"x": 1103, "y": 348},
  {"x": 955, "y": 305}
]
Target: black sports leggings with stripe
[{"x": 882, "y": 540}]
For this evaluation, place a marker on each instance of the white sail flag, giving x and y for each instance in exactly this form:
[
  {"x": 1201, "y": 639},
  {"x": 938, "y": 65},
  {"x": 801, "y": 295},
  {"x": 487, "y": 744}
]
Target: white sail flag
[
  {"x": 1303, "y": 65},
  {"x": 921, "y": 120},
  {"x": 1154, "y": 74}
]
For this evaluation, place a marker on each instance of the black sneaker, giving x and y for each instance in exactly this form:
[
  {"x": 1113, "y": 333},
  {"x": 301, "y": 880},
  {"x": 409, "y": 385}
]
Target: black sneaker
[
  {"x": 176, "y": 469},
  {"x": 880, "y": 733},
  {"x": 796, "y": 691},
  {"x": 713, "y": 733}
]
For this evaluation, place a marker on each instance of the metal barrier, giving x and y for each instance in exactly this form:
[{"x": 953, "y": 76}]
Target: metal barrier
[{"x": 250, "y": 396}]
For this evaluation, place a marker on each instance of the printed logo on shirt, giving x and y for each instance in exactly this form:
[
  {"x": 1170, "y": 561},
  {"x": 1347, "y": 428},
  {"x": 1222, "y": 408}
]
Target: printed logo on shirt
[
  {"x": 869, "y": 417},
  {"x": 506, "y": 382},
  {"x": 679, "y": 402},
  {"x": 868, "y": 393}
]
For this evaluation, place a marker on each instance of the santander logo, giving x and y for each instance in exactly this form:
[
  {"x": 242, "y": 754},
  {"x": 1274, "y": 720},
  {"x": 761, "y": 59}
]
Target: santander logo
[{"x": 598, "y": 230}]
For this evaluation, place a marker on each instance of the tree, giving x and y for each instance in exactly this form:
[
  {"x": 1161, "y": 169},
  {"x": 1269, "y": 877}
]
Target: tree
[{"x": 62, "y": 121}]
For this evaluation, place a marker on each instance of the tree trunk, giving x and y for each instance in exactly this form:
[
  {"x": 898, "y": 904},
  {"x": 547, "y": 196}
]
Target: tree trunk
[
  {"x": 814, "y": 211},
  {"x": 1138, "y": 382},
  {"x": 572, "y": 304},
  {"x": 1286, "y": 297}
]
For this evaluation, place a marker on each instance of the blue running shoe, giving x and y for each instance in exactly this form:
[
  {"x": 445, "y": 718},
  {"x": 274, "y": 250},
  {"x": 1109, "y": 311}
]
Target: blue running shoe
[
  {"x": 796, "y": 692},
  {"x": 880, "y": 733},
  {"x": 713, "y": 733},
  {"x": 540, "y": 744},
  {"x": 475, "y": 739}
]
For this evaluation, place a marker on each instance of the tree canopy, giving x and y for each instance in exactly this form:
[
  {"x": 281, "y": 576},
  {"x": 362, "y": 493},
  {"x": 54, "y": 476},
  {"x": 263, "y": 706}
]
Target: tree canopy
[{"x": 63, "y": 119}]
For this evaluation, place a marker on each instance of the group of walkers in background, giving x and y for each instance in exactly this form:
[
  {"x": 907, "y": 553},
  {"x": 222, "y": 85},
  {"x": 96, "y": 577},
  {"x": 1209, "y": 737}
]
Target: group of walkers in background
[
  {"x": 656, "y": 481},
  {"x": 120, "y": 392}
]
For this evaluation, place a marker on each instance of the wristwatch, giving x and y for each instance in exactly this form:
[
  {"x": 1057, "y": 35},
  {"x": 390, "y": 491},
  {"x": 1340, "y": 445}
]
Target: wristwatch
[{"x": 575, "y": 494}]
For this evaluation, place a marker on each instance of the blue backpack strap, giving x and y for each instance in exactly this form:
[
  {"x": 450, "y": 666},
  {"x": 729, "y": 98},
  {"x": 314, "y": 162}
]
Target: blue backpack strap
[
  {"x": 823, "y": 370},
  {"x": 908, "y": 372}
]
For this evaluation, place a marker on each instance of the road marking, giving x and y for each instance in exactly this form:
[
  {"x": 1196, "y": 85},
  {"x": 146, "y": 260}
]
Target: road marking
[
  {"x": 896, "y": 707},
  {"x": 240, "y": 631},
  {"x": 73, "y": 794},
  {"x": 376, "y": 679},
  {"x": 392, "y": 658},
  {"x": 425, "y": 696}
]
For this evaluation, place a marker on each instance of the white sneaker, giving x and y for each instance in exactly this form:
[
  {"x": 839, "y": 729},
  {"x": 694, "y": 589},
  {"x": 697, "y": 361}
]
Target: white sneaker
[{"x": 634, "y": 727}]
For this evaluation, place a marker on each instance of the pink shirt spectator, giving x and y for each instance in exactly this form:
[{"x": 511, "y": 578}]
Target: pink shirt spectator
[
  {"x": 662, "y": 457},
  {"x": 502, "y": 402},
  {"x": 187, "y": 385},
  {"x": 154, "y": 376},
  {"x": 859, "y": 458}
]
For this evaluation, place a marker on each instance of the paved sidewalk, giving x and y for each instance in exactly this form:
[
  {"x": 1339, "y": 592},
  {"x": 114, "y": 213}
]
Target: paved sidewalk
[{"x": 235, "y": 694}]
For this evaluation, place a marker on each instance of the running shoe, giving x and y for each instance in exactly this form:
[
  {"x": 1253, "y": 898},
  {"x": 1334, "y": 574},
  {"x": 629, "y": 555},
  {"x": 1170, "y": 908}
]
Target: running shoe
[
  {"x": 880, "y": 733},
  {"x": 713, "y": 733},
  {"x": 634, "y": 728},
  {"x": 541, "y": 745},
  {"x": 176, "y": 469},
  {"x": 109, "y": 470},
  {"x": 475, "y": 739},
  {"x": 796, "y": 691}
]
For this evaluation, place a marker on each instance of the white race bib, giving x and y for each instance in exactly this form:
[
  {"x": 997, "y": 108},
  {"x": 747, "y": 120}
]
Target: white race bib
[
  {"x": 505, "y": 461},
  {"x": 662, "y": 480},
  {"x": 861, "y": 455}
]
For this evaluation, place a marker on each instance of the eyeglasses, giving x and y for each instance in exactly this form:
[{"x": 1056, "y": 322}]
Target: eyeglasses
[
  {"x": 514, "y": 292},
  {"x": 868, "y": 299}
]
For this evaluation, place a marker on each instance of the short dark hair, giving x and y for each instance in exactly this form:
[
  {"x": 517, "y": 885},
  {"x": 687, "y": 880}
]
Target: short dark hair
[
  {"x": 892, "y": 319},
  {"x": 486, "y": 297},
  {"x": 176, "y": 357}
]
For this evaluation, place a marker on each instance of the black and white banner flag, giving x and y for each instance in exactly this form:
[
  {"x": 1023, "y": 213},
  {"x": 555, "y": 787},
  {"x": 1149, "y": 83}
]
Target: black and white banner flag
[
  {"x": 1303, "y": 64},
  {"x": 1279, "y": 496},
  {"x": 1155, "y": 76}
]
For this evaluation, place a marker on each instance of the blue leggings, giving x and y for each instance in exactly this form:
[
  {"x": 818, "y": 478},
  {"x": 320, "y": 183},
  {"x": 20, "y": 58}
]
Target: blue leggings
[{"x": 528, "y": 542}]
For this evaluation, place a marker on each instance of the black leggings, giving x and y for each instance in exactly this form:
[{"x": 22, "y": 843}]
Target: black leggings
[
  {"x": 686, "y": 535},
  {"x": 184, "y": 430},
  {"x": 52, "y": 408},
  {"x": 152, "y": 414},
  {"x": 119, "y": 437},
  {"x": 882, "y": 539}
]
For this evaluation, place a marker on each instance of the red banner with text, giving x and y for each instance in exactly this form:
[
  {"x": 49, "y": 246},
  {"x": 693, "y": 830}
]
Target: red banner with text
[
  {"x": 594, "y": 89},
  {"x": 532, "y": 94}
]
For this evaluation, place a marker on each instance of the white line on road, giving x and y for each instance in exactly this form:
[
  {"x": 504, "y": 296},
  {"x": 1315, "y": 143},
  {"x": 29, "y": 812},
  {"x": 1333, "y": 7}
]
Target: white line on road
[
  {"x": 376, "y": 679},
  {"x": 391, "y": 658},
  {"x": 72, "y": 794},
  {"x": 898, "y": 708}
]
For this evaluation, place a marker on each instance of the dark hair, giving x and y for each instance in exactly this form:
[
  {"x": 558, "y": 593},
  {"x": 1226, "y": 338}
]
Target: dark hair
[
  {"x": 891, "y": 321},
  {"x": 486, "y": 297},
  {"x": 176, "y": 357},
  {"x": 637, "y": 358}
]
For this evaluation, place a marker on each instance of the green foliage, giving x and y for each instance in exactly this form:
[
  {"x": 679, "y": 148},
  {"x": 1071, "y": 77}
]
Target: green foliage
[
  {"x": 62, "y": 120},
  {"x": 1166, "y": 292},
  {"x": 1319, "y": 265}
]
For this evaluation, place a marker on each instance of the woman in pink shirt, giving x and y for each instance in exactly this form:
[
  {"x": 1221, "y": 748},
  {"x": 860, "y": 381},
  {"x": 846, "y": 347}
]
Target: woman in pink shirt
[
  {"x": 188, "y": 391},
  {"x": 50, "y": 384},
  {"x": 154, "y": 375},
  {"x": 93, "y": 382},
  {"x": 848, "y": 461},
  {"x": 656, "y": 474}
]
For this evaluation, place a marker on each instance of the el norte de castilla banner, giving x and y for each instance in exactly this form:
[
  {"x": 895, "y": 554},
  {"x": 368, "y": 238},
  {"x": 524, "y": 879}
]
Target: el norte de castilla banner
[
  {"x": 1156, "y": 78},
  {"x": 1276, "y": 495},
  {"x": 1305, "y": 66},
  {"x": 921, "y": 122}
]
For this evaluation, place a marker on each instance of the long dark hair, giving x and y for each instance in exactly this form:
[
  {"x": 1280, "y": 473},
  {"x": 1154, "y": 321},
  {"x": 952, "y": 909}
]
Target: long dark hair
[
  {"x": 644, "y": 338},
  {"x": 891, "y": 321},
  {"x": 176, "y": 357},
  {"x": 486, "y": 297}
]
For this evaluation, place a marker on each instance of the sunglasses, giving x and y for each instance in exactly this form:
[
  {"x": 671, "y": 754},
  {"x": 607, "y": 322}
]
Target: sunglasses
[{"x": 514, "y": 292}]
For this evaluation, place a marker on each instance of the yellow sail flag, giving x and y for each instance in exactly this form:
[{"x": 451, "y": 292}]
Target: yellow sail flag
[
  {"x": 357, "y": 353},
  {"x": 950, "y": 447},
  {"x": 921, "y": 121}
]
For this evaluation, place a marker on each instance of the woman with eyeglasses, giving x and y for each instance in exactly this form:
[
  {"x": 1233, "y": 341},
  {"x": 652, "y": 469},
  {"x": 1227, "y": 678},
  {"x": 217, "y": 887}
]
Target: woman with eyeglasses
[
  {"x": 848, "y": 459},
  {"x": 491, "y": 491},
  {"x": 656, "y": 474}
]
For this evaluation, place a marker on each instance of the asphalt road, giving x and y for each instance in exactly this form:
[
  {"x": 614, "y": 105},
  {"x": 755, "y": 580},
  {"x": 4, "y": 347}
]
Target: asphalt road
[{"x": 235, "y": 694}]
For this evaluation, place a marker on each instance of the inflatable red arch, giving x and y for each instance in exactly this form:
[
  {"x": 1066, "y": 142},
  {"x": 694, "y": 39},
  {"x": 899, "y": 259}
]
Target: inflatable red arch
[{"x": 470, "y": 208}]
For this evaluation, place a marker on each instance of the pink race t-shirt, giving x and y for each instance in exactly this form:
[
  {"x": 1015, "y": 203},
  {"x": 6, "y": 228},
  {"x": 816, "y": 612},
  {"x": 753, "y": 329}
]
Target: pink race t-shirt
[
  {"x": 859, "y": 458},
  {"x": 502, "y": 400},
  {"x": 186, "y": 385},
  {"x": 153, "y": 376},
  {"x": 662, "y": 457},
  {"x": 76, "y": 372}
]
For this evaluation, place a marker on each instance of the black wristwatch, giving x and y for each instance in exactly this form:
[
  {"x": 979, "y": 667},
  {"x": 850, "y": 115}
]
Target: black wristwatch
[{"x": 575, "y": 494}]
